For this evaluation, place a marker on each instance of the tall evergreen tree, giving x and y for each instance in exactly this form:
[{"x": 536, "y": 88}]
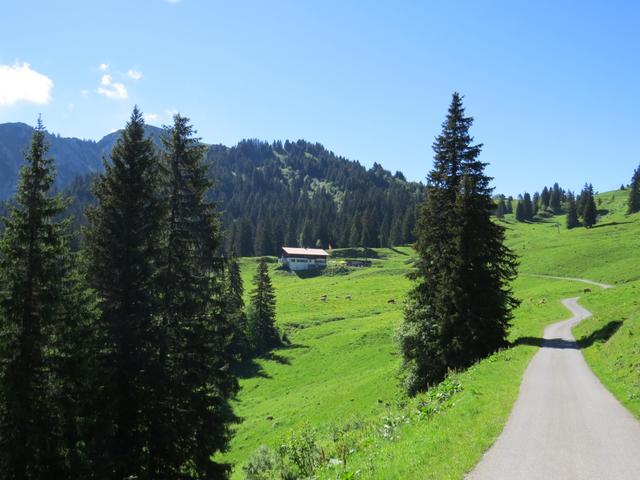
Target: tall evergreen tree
[
  {"x": 235, "y": 306},
  {"x": 520, "y": 213},
  {"x": 262, "y": 312},
  {"x": 460, "y": 307},
  {"x": 527, "y": 205},
  {"x": 44, "y": 313},
  {"x": 124, "y": 250},
  {"x": 590, "y": 212},
  {"x": 581, "y": 201},
  {"x": 634, "y": 192},
  {"x": 502, "y": 207},
  {"x": 545, "y": 198},
  {"x": 555, "y": 201},
  {"x": 536, "y": 203},
  {"x": 195, "y": 416},
  {"x": 572, "y": 212}
]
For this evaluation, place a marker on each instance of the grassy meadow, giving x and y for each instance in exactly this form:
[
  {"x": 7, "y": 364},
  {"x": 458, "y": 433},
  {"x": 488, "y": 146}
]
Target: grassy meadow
[{"x": 333, "y": 398}]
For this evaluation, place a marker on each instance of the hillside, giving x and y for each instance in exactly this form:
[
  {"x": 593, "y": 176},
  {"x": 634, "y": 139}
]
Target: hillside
[
  {"x": 269, "y": 194},
  {"x": 74, "y": 157},
  {"x": 334, "y": 392}
]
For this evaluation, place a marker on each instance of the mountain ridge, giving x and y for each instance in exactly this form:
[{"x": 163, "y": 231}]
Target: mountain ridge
[{"x": 269, "y": 194}]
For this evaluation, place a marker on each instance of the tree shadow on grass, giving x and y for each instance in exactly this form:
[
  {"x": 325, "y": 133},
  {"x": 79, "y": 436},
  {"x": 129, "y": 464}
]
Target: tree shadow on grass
[
  {"x": 250, "y": 368},
  {"x": 311, "y": 273},
  {"x": 609, "y": 224},
  {"x": 399, "y": 252},
  {"x": 601, "y": 335}
]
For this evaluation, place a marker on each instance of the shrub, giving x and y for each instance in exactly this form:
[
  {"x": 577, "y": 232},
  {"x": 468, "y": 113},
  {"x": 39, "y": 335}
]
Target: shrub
[
  {"x": 261, "y": 465},
  {"x": 303, "y": 451}
]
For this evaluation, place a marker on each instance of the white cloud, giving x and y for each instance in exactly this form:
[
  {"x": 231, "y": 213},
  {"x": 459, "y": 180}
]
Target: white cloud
[
  {"x": 84, "y": 93},
  {"x": 173, "y": 1},
  {"x": 134, "y": 74},
  {"x": 103, "y": 66},
  {"x": 151, "y": 117},
  {"x": 170, "y": 112},
  {"x": 111, "y": 89},
  {"x": 20, "y": 83}
]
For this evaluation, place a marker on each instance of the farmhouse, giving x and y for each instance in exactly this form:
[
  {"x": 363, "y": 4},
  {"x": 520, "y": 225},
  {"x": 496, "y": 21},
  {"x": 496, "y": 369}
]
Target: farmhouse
[{"x": 303, "y": 258}]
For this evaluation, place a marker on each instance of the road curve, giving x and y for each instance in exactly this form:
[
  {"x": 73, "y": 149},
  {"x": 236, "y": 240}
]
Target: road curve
[
  {"x": 573, "y": 279},
  {"x": 565, "y": 425}
]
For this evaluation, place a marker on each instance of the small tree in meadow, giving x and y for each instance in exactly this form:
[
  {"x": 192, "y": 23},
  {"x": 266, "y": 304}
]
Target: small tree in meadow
[
  {"x": 634, "y": 192},
  {"x": 572, "y": 212},
  {"x": 590, "y": 211},
  {"x": 262, "y": 330}
]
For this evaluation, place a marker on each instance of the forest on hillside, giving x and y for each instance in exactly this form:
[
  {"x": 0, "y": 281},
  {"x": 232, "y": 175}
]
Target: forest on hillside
[{"x": 298, "y": 194}]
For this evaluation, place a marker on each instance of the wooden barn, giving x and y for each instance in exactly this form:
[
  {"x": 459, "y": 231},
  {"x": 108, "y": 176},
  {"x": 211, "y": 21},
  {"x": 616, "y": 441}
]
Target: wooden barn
[{"x": 303, "y": 258}]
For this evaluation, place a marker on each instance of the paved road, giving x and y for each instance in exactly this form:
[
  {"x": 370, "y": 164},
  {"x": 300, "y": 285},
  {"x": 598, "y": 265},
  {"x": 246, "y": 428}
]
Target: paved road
[
  {"x": 565, "y": 425},
  {"x": 573, "y": 279}
]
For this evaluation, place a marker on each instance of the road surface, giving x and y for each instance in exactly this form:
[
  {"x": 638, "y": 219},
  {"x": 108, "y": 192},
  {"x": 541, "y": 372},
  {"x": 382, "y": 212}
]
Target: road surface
[
  {"x": 565, "y": 425},
  {"x": 573, "y": 279}
]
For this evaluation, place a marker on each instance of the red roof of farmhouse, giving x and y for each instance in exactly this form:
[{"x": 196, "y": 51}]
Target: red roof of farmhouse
[{"x": 313, "y": 252}]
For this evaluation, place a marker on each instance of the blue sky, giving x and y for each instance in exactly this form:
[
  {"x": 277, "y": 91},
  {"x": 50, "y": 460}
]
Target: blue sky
[{"x": 553, "y": 85}]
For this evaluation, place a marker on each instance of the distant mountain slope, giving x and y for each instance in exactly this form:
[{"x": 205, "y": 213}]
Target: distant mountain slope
[
  {"x": 270, "y": 194},
  {"x": 73, "y": 156},
  {"x": 300, "y": 193}
]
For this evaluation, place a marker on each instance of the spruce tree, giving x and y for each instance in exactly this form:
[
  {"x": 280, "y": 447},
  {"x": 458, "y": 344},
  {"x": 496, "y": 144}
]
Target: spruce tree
[
  {"x": 460, "y": 307},
  {"x": 45, "y": 317},
  {"x": 262, "y": 330},
  {"x": 634, "y": 193},
  {"x": 581, "y": 201},
  {"x": 555, "y": 201},
  {"x": 590, "y": 213},
  {"x": 572, "y": 212},
  {"x": 502, "y": 208},
  {"x": 124, "y": 249},
  {"x": 527, "y": 206},
  {"x": 520, "y": 212},
  {"x": 194, "y": 418},
  {"x": 545, "y": 198},
  {"x": 236, "y": 309}
]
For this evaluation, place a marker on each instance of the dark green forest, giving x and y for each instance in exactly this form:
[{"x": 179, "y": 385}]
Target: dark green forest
[{"x": 298, "y": 194}]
